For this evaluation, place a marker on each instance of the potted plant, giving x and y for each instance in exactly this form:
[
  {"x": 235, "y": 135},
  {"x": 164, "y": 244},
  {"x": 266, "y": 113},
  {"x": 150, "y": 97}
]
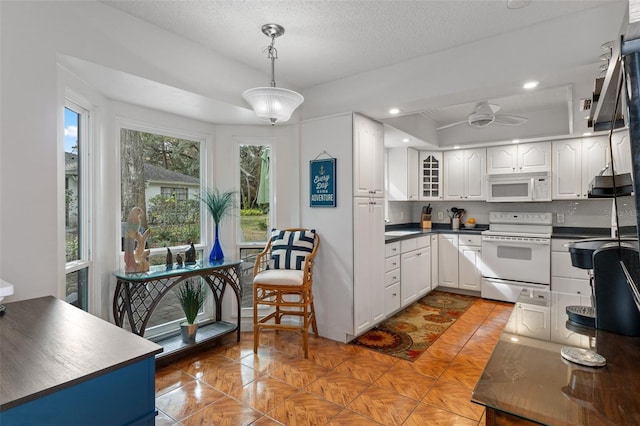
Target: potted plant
[
  {"x": 219, "y": 205},
  {"x": 191, "y": 297}
]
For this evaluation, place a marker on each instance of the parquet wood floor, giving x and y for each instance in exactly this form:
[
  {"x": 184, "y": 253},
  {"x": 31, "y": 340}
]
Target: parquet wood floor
[{"x": 340, "y": 384}]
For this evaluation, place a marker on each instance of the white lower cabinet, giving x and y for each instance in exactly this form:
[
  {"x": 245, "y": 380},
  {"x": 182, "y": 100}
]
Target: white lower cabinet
[
  {"x": 369, "y": 261},
  {"x": 565, "y": 277},
  {"x": 434, "y": 261},
  {"x": 415, "y": 267},
  {"x": 392, "y": 278},
  {"x": 448, "y": 260},
  {"x": 459, "y": 261},
  {"x": 469, "y": 262}
]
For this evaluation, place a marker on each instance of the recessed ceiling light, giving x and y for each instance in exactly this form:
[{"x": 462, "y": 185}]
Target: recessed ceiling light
[
  {"x": 531, "y": 84},
  {"x": 456, "y": 147},
  {"x": 394, "y": 111},
  {"x": 586, "y": 134},
  {"x": 515, "y": 141},
  {"x": 406, "y": 140}
]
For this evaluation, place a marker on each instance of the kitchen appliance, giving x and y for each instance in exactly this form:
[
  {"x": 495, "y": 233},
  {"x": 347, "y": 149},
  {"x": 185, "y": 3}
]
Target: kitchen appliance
[
  {"x": 516, "y": 254},
  {"x": 519, "y": 187}
]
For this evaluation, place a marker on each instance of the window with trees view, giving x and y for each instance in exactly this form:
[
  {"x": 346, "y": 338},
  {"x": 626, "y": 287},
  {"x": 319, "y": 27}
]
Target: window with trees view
[
  {"x": 255, "y": 192},
  {"x": 76, "y": 195},
  {"x": 161, "y": 175}
]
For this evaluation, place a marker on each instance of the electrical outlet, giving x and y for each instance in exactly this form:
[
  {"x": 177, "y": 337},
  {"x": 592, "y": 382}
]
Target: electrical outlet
[
  {"x": 560, "y": 217},
  {"x": 440, "y": 216},
  {"x": 401, "y": 215}
]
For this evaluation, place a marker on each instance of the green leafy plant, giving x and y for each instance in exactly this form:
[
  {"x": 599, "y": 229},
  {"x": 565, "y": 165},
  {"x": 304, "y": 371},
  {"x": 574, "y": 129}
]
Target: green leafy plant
[
  {"x": 219, "y": 204},
  {"x": 192, "y": 297}
]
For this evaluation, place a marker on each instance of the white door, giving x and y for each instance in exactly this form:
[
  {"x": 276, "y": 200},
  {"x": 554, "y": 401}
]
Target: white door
[
  {"x": 409, "y": 277},
  {"x": 424, "y": 271},
  {"x": 453, "y": 175},
  {"x": 502, "y": 159},
  {"x": 534, "y": 157},
  {"x": 474, "y": 167},
  {"x": 567, "y": 169},
  {"x": 448, "y": 260},
  {"x": 430, "y": 175},
  {"x": 368, "y": 157},
  {"x": 622, "y": 152},
  {"x": 469, "y": 268},
  {"x": 412, "y": 174},
  {"x": 369, "y": 263},
  {"x": 434, "y": 261},
  {"x": 595, "y": 155}
]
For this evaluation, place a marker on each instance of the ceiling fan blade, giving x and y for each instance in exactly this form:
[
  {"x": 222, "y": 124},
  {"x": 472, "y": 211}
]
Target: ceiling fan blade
[
  {"x": 510, "y": 120},
  {"x": 446, "y": 126},
  {"x": 486, "y": 108}
]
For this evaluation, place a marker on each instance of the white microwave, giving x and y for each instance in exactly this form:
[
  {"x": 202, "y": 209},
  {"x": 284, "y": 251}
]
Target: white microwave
[{"x": 519, "y": 187}]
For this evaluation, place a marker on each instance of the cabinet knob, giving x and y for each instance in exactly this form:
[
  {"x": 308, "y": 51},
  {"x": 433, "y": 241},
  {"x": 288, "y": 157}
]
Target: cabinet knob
[
  {"x": 394, "y": 264},
  {"x": 395, "y": 278},
  {"x": 394, "y": 294}
]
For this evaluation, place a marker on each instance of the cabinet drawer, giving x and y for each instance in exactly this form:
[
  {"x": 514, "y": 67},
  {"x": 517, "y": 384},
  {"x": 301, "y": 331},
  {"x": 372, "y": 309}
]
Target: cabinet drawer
[
  {"x": 423, "y": 242},
  {"x": 408, "y": 245},
  {"x": 470, "y": 240},
  {"x": 392, "y": 277},
  {"x": 561, "y": 266},
  {"x": 391, "y": 299},
  {"x": 570, "y": 285},
  {"x": 391, "y": 249},
  {"x": 392, "y": 262}
]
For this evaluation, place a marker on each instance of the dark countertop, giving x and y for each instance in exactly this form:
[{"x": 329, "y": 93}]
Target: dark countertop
[
  {"x": 437, "y": 228},
  {"x": 527, "y": 377},
  {"x": 560, "y": 232},
  {"x": 49, "y": 345}
]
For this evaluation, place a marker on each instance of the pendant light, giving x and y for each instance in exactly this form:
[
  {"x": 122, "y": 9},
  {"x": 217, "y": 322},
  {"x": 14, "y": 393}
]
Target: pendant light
[{"x": 273, "y": 103}]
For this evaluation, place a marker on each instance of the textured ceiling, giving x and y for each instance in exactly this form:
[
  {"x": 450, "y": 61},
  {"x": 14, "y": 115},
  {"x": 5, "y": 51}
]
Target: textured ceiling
[
  {"x": 328, "y": 40},
  {"x": 434, "y": 59}
]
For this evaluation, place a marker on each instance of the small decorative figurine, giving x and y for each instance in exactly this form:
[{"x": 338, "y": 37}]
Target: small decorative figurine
[
  {"x": 169, "y": 260},
  {"x": 136, "y": 256},
  {"x": 179, "y": 259},
  {"x": 190, "y": 255}
]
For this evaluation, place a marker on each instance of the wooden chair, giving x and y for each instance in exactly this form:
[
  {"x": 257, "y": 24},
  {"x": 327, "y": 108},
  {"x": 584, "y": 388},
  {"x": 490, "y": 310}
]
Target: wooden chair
[{"x": 283, "y": 278}]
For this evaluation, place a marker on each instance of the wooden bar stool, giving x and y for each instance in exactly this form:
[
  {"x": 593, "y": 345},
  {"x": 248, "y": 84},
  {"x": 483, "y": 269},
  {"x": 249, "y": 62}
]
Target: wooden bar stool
[{"x": 283, "y": 278}]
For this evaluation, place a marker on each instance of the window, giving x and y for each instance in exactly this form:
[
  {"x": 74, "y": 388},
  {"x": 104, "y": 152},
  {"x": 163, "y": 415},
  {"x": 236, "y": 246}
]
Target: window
[
  {"x": 76, "y": 201},
  {"x": 255, "y": 211},
  {"x": 161, "y": 174}
]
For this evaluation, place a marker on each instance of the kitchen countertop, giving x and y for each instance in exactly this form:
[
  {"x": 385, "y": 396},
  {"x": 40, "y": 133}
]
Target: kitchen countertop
[
  {"x": 527, "y": 377},
  {"x": 49, "y": 345},
  {"x": 413, "y": 230}
]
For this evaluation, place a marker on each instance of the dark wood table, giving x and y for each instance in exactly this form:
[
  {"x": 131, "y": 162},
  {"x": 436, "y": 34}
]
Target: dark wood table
[
  {"x": 526, "y": 381},
  {"x": 61, "y": 365},
  {"x": 138, "y": 294}
]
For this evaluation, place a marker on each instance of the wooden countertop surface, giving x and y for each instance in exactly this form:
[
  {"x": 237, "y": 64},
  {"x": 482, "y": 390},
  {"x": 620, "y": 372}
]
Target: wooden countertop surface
[{"x": 48, "y": 345}]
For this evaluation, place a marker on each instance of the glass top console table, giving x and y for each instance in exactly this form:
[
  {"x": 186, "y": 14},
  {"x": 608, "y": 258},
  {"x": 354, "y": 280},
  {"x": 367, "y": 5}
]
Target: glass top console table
[{"x": 138, "y": 294}]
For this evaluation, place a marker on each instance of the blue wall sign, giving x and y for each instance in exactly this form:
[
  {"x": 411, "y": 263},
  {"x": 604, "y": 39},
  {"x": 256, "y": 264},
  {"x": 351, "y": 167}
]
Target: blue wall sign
[{"x": 323, "y": 183}]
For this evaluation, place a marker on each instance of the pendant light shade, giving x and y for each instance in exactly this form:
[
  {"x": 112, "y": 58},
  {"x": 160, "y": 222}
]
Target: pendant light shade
[{"x": 273, "y": 103}]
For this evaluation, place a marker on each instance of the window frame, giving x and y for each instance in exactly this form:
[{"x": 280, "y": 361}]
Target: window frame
[
  {"x": 159, "y": 331},
  {"x": 85, "y": 238}
]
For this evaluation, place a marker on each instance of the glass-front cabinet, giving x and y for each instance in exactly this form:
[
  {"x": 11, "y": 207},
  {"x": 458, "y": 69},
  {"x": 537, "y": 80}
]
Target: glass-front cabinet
[{"x": 430, "y": 175}]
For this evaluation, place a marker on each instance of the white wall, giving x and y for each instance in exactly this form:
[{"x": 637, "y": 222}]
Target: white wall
[
  {"x": 333, "y": 273},
  {"x": 34, "y": 36}
]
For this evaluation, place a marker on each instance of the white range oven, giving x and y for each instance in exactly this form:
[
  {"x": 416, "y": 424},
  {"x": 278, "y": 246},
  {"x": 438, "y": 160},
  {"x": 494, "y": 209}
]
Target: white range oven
[{"x": 516, "y": 254}]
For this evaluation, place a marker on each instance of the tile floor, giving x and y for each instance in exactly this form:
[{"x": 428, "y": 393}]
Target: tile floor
[{"x": 340, "y": 384}]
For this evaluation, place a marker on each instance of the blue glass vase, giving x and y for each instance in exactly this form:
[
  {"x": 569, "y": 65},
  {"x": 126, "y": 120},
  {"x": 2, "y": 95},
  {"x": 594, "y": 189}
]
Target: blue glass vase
[{"x": 216, "y": 254}]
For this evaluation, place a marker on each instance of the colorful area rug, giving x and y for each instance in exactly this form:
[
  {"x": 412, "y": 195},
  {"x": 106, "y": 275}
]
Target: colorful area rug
[{"x": 410, "y": 332}]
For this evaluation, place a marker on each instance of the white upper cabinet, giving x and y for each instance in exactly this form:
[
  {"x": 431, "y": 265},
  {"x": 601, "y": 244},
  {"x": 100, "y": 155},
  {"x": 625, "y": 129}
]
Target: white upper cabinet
[
  {"x": 575, "y": 163},
  {"x": 464, "y": 174},
  {"x": 430, "y": 175},
  {"x": 368, "y": 157},
  {"x": 519, "y": 158},
  {"x": 403, "y": 174},
  {"x": 621, "y": 146}
]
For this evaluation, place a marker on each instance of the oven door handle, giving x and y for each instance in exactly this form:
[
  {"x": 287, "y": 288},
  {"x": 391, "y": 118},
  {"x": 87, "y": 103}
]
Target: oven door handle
[{"x": 518, "y": 242}]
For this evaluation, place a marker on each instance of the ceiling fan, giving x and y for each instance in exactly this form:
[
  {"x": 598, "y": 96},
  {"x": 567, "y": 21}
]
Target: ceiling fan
[{"x": 484, "y": 114}]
